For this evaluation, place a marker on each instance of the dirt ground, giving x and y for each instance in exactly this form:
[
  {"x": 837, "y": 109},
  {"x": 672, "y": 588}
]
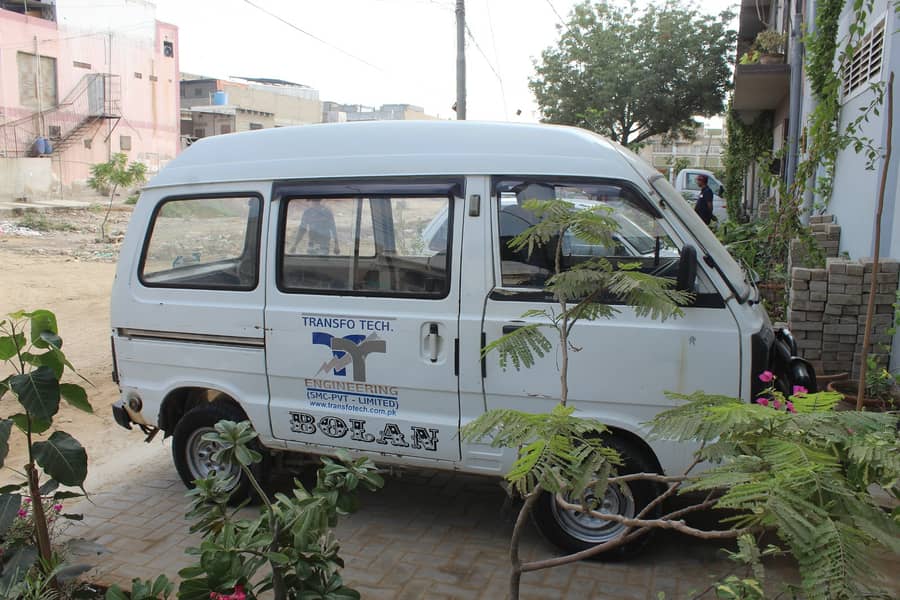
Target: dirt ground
[{"x": 51, "y": 259}]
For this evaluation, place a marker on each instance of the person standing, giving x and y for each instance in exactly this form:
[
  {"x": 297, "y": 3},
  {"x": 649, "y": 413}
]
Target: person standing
[
  {"x": 704, "y": 205},
  {"x": 318, "y": 223}
]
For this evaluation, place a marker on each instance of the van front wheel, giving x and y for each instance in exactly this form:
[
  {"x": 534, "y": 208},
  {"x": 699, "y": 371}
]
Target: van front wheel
[
  {"x": 193, "y": 456},
  {"x": 574, "y": 531}
]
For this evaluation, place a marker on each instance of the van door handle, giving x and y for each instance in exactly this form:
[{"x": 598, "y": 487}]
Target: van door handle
[
  {"x": 432, "y": 340},
  {"x": 510, "y": 328}
]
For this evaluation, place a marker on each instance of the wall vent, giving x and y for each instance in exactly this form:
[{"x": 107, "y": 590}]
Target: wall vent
[{"x": 865, "y": 64}]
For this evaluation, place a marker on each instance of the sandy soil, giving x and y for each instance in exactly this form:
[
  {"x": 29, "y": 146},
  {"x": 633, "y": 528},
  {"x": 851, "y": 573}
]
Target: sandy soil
[{"x": 65, "y": 269}]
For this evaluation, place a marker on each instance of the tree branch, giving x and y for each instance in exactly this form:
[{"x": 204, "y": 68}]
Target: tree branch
[{"x": 664, "y": 523}]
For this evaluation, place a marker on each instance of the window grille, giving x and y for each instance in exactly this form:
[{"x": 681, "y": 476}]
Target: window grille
[{"x": 865, "y": 64}]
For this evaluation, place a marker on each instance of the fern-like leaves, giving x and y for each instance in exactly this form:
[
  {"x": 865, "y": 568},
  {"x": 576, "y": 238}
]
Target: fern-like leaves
[
  {"x": 556, "y": 450},
  {"x": 805, "y": 475}
]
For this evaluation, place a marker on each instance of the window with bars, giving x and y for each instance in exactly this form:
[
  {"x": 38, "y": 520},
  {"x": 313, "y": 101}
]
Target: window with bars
[{"x": 865, "y": 64}]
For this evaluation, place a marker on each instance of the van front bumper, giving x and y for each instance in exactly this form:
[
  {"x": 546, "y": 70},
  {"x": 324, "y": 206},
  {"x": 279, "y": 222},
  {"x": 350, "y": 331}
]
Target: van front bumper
[
  {"x": 776, "y": 351},
  {"x": 121, "y": 415}
]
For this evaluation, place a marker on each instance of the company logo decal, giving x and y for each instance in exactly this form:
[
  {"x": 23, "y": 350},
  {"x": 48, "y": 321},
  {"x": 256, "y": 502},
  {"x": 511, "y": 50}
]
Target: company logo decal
[
  {"x": 348, "y": 350},
  {"x": 351, "y": 392}
]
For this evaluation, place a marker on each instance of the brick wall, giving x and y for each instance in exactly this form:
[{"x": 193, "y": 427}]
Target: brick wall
[{"x": 827, "y": 307}]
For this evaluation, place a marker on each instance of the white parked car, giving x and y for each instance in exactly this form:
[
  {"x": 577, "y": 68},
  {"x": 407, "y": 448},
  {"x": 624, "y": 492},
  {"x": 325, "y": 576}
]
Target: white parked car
[
  {"x": 686, "y": 183},
  {"x": 335, "y": 284}
]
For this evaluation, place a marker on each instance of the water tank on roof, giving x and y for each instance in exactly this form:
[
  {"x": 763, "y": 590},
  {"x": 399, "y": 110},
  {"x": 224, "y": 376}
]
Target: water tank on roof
[{"x": 220, "y": 98}]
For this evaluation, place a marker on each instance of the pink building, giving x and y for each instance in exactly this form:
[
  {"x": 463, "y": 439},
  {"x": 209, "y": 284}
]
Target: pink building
[{"x": 93, "y": 80}]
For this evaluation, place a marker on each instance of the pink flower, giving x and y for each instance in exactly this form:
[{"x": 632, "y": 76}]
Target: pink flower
[
  {"x": 22, "y": 513},
  {"x": 57, "y": 507},
  {"x": 238, "y": 594},
  {"x": 766, "y": 376},
  {"x": 777, "y": 404},
  {"x": 762, "y": 401},
  {"x": 799, "y": 390},
  {"x": 27, "y": 500},
  {"x": 790, "y": 407}
]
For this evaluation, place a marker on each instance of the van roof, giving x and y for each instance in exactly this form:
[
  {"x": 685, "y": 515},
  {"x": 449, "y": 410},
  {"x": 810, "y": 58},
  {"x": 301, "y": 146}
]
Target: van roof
[{"x": 396, "y": 148}]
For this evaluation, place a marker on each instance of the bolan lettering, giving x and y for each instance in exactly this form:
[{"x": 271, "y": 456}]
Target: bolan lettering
[
  {"x": 424, "y": 438},
  {"x": 358, "y": 431},
  {"x": 391, "y": 432},
  {"x": 303, "y": 423},
  {"x": 333, "y": 427}
]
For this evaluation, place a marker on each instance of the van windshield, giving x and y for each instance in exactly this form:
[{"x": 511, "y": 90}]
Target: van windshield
[{"x": 734, "y": 275}]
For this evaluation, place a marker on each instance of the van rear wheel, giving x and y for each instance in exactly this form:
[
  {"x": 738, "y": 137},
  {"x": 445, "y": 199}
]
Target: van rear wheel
[
  {"x": 574, "y": 531},
  {"x": 193, "y": 456}
]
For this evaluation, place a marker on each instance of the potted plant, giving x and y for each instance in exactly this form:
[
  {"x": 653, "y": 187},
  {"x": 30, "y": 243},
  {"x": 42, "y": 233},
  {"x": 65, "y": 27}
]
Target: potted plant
[
  {"x": 770, "y": 45},
  {"x": 882, "y": 391}
]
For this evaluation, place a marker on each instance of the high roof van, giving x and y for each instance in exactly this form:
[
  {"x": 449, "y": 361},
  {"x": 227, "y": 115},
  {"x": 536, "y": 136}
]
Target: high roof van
[{"x": 335, "y": 285}]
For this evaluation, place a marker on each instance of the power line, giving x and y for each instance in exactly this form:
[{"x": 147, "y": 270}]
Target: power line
[
  {"x": 315, "y": 37},
  {"x": 556, "y": 12}
]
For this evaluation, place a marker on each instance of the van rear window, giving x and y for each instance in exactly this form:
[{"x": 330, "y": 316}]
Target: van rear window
[{"x": 203, "y": 243}]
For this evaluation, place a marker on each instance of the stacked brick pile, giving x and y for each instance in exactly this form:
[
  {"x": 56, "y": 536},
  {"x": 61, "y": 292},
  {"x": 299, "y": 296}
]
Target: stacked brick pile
[
  {"x": 826, "y": 233},
  {"x": 883, "y": 319},
  {"x": 828, "y": 310},
  {"x": 806, "y": 312}
]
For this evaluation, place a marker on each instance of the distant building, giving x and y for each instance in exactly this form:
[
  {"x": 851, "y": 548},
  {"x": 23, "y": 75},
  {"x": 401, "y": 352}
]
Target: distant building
[
  {"x": 217, "y": 106},
  {"x": 334, "y": 112},
  {"x": 78, "y": 83},
  {"x": 705, "y": 151}
]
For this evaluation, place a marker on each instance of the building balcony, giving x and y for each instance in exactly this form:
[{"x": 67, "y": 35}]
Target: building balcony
[{"x": 760, "y": 87}]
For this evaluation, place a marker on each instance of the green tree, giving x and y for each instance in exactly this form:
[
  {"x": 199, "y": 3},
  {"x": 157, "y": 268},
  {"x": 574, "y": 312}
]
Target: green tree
[
  {"x": 116, "y": 173},
  {"x": 630, "y": 74}
]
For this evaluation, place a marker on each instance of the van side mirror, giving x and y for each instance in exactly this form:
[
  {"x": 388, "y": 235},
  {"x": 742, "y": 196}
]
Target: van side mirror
[
  {"x": 687, "y": 269},
  {"x": 721, "y": 191}
]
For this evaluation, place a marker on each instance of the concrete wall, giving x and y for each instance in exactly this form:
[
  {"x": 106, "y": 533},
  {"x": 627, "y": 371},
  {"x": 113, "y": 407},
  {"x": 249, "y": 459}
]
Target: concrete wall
[
  {"x": 856, "y": 187},
  {"x": 149, "y": 83},
  {"x": 30, "y": 178}
]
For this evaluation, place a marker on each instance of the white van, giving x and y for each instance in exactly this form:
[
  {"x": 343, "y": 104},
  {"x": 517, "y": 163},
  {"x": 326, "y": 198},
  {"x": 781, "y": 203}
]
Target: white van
[{"x": 334, "y": 284}]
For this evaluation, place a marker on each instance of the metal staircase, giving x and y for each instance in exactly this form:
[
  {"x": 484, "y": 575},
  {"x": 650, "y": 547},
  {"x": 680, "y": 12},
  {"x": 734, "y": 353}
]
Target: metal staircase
[{"x": 96, "y": 98}]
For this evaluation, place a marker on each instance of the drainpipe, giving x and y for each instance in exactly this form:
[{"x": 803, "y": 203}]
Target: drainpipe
[
  {"x": 795, "y": 101},
  {"x": 806, "y": 209}
]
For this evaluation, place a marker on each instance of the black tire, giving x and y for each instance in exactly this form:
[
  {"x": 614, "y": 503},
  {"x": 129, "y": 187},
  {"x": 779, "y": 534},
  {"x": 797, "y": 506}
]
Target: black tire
[
  {"x": 192, "y": 455},
  {"x": 574, "y": 532}
]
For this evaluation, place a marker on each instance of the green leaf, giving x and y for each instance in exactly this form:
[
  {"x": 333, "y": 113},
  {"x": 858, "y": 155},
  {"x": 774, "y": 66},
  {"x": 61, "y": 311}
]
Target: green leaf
[
  {"x": 51, "y": 358},
  {"x": 116, "y": 593},
  {"x": 5, "y": 430},
  {"x": 18, "y": 566},
  {"x": 8, "y": 489},
  {"x": 63, "y": 458},
  {"x": 9, "y": 510},
  {"x": 48, "y": 487},
  {"x": 76, "y": 396},
  {"x": 38, "y": 392},
  {"x": 10, "y": 345},
  {"x": 35, "y": 426},
  {"x": 44, "y": 329}
]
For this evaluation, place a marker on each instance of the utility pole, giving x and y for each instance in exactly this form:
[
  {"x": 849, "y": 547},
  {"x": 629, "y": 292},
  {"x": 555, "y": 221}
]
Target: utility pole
[{"x": 460, "y": 60}]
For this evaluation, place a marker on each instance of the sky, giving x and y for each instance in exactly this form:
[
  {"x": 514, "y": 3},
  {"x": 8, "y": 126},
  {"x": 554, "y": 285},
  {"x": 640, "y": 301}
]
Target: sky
[{"x": 374, "y": 52}]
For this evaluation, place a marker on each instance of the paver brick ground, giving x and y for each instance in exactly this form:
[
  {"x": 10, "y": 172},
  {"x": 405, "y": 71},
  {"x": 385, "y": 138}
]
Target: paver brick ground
[{"x": 425, "y": 535}]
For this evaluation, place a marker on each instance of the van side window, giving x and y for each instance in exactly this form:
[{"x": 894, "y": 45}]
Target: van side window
[
  {"x": 380, "y": 245},
  {"x": 203, "y": 243},
  {"x": 640, "y": 238}
]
